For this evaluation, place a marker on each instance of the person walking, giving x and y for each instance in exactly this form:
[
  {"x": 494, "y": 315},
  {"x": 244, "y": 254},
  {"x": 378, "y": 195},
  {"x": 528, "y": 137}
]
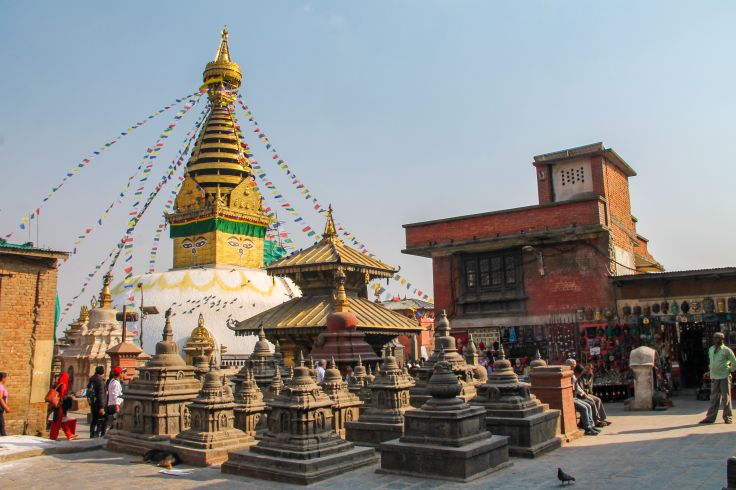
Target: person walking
[
  {"x": 3, "y": 403},
  {"x": 114, "y": 396},
  {"x": 722, "y": 364},
  {"x": 97, "y": 402},
  {"x": 60, "y": 421}
]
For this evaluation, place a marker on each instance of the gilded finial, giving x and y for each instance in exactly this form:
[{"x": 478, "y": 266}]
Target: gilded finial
[
  {"x": 330, "y": 232},
  {"x": 200, "y": 321},
  {"x": 105, "y": 296},
  {"x": 360, "y": 360},
  {"x": 261, "y": 333},
  {"x": 340, "y": 297},
  {"x": 300, "y": 359},
  {"x": 501, "y": 352},
  {"x": 223, "y": 50}
]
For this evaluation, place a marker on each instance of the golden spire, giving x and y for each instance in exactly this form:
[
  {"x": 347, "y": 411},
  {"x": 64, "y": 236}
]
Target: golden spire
[
  {"x": 330, "y": 230},
  {"x": 341, "y": 298},
  {"x": 105, "y": 296},
  {"x": 223, "y": 50}
]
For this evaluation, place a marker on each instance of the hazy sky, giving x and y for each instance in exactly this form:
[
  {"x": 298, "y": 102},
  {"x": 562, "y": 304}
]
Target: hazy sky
[{"x": 394, "y": 112}]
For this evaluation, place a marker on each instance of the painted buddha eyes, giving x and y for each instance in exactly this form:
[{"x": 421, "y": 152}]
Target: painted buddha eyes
[
  {"x": 234, "y": 241},
  {"x": 197, "y": 243}
]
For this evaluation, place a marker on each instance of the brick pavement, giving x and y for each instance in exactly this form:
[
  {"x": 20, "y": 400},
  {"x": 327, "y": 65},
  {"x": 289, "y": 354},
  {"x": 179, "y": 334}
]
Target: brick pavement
[{"x": 652, "y": 450}]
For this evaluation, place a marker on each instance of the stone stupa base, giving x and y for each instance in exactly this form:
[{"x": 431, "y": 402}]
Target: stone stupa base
[
  {"x": 275, "y": 465},
  {"x": 460, "y": 464},
  {"x": 127, "y": 442},
  {"x": 529, "y": 436},
  {"x": 205, "y": 449},
  {"x": 372, "y": 434}
]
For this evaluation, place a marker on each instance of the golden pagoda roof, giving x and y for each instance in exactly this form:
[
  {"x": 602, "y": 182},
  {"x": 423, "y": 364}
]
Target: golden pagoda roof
[
  {"x": 328, "y": 254},
  {"x": 312, "y": 311}
]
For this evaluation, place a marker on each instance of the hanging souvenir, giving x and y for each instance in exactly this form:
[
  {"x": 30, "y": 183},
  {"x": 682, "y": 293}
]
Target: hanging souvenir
[
  {"x": 674, "y": 308},
  {"x": 709, "y": 306},
  {"x": 627, "y": 309},
  {"x": 685, "y": 307},
  {"x": 732, "y": 304},
  {"x": 721, "y": 305},
  {"x": 637, "y": 310},
  {"x": 655, "y": 308},
  {"x": 665, "y": 307}
]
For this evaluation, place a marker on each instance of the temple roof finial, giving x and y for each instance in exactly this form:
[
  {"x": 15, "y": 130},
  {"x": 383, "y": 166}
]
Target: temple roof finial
[
  {"x": 105, "y": 296},
  {"x": 330, "y": 230}
]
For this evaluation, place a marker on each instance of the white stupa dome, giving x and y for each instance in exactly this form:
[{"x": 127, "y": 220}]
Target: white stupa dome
[{"x": 218, "y": 293}]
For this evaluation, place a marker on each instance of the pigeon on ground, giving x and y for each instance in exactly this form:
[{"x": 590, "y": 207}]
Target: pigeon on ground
[{"x": 564, "y": 477}]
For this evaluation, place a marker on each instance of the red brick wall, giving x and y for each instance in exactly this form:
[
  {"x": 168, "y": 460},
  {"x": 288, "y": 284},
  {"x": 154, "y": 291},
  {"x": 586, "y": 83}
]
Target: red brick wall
[
  {"x": 509, "y": 222},
  {"x": 442, "y": 277},
  {"x": 17, "y": 300},
  {"x": 544, "y": 187},
  {"x": 575, "y": 276},
  {"x": 619, "y": 205}
]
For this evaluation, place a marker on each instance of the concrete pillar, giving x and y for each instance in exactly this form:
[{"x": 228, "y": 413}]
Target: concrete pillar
[{"x": 553, "y": 385}]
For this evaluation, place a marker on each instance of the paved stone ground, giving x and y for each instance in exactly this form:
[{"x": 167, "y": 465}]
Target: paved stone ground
[{"x": 652, "y": 450}]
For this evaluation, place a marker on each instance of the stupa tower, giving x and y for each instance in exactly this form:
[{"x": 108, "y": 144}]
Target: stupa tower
[{"x": 219, "y": 218}]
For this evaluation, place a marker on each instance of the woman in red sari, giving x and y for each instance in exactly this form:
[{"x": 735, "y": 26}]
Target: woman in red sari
[{"x": 60, "y": 419}]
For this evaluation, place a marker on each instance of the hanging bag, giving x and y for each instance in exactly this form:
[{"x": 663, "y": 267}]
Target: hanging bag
[{"x": 52, "y": 398}]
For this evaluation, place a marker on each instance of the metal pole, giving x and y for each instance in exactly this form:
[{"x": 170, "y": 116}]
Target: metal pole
[{"x": 140, "y": 286}]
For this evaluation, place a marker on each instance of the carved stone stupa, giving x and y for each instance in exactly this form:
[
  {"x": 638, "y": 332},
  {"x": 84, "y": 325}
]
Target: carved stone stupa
[
  {"x": 345, "y": 405},
  {"x": 384, "y": 419},
  {"x": 212, "y": 432},
  {"x": 513, "y": 411},
  {"x": 445, "y": 438},
  {"x": 155, "y": 408},
  {"x": 444, "y": 350},
  {"x": 358, "y": 384},
  {"x": 300, "y": 445},
  {"x": 249, "y": 405}
]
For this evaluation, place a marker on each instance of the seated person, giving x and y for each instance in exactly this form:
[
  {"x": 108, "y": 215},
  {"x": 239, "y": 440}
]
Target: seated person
[
  {"x": 586, "y": 417},
  {"x": 596, "y": 404}
]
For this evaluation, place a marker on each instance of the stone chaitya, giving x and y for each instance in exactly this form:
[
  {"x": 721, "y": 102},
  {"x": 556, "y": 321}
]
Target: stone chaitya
[
  {"x": 513, "y": 411},
  {"x": 249, "y": 405},
  {"x": 358, "y": 384},
  {"x": 263, "y": 364},
  {"x": 345, "y": 405},
  {"x": 444, "y": 350},
  {"x": 273, "y": 390},
  {"x": 384, "y": 419},
  {"x": 445, "y": 438},
  {"x": 470, "y": 353},
  {"x": 155, "y": 407},
  {"x": 299, "y": 445},
  {"x": 212, "y": 432}
]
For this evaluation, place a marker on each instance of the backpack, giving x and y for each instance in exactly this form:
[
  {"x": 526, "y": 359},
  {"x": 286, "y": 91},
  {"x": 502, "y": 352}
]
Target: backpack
[{"x": 91, "y": 395}]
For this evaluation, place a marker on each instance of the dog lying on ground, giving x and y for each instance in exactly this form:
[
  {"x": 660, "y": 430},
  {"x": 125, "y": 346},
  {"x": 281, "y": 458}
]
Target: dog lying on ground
[{"x": 160, "y": 457}]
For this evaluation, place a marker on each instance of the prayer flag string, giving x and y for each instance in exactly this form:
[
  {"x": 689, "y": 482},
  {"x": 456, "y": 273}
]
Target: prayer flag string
[
  {"x": 25, "y": 221},
  {"x": 309, "y": 196},
  {"x": 147, "y": 160}
]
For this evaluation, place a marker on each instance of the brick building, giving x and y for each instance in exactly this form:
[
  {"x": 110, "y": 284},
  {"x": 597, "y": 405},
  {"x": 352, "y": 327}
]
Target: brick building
[
  {"x": 27, "y": 307},
  {"x": 533, "y": 276}
]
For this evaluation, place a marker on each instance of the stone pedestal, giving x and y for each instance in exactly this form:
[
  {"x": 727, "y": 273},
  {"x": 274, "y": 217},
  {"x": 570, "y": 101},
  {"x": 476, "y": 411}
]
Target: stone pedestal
[
  {"x": 444, "y": 350},
  {"x": 345, "y": 405},
  {"x": 212, "y": 433},
  {"x": 299, "y": 445},
  {"x": 384, "y": 419},
  {"x": 154, "y": 408},
  {"x": 445, "y": 438},
  {"x": 552, "y": 385},
  {"x": 511, "y": 410},
  {"x": 641, "y": 362},
  {"x": 643, "y": 389}
]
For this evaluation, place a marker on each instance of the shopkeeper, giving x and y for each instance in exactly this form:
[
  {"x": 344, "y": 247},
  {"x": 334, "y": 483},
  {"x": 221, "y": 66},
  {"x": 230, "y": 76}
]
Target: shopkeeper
[{"x": 722, "y": 363}]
